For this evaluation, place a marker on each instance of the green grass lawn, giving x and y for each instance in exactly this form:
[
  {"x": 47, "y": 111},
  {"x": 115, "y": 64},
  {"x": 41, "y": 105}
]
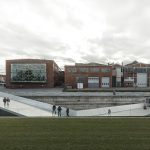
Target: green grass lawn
[{"x": 75, "y": 134}]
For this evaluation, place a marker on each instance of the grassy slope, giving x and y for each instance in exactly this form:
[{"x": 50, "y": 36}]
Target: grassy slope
[{"x": 75, "y": 134}]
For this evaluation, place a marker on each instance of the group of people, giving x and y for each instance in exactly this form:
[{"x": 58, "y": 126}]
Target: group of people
[
  {"x": 59, "y": 109},
  {"x": 6, "y": 101}
]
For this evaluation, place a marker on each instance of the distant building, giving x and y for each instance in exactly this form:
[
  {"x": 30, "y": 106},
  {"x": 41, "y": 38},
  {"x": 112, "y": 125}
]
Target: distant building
[
  {"x": 32, "y": 73},
  {"x": 137, "y": 75},
  {"x": 90, "y": 75}
]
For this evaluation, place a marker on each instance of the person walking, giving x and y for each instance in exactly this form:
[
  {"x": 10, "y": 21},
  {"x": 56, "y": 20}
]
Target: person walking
[
  {"x": 59, "y": 111},
  {"x": 54, "y": 110},
  {"x": 67, "y": 112},
  {"x": 114, "y": 92},
  {"x": 4, "y": 100},
  {"x": 109, "y": 112},
  {"x": 7, "y": 101}
]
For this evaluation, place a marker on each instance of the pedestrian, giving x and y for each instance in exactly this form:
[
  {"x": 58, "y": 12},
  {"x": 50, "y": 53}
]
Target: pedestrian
[
  {"x": 54, "y": 110},
  {"x": 59, "y": 111},
  {"x": 109, "y": 112},
  {"x": 4, "y": 100},
  {"x": 7, "y": 100},
  {"x": 67, "y": 112},
  {"x": 114, "y": 92}
]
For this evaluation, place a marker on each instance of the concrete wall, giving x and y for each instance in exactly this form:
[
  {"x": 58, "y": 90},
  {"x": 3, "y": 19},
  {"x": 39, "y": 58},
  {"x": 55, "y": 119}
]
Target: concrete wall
[
  {"x": 7, "y": 113},
  {"x": 88, "y": 102}
]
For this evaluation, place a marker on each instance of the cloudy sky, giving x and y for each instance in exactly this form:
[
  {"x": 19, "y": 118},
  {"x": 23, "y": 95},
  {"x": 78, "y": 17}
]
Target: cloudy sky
[{"x": 70, "y": 31}]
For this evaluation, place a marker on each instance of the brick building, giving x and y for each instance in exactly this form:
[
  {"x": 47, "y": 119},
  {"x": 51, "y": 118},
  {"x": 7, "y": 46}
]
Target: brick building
[
  {"x": 90, "y": 75},
  {"x": 32, "y": 73},
  {"x": 137, "y": 75}
]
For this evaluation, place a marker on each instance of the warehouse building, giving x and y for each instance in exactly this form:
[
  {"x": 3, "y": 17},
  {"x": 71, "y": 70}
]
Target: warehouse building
[
  {"x": 137, "y": 75},
  {"x": 32, "y": 73},
  {"x": 90, "y": 75}
]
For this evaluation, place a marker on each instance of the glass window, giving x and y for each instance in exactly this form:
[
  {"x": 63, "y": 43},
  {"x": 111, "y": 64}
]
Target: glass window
[
  {"x": 83, "y": 69},
  {"x": 28, "y": 73},
  {"x": 80, "y": 79},
  {"x": 72, "y": 70},
  {"x": 105, "y": 70},
  {"x": 94, "y": 69}
]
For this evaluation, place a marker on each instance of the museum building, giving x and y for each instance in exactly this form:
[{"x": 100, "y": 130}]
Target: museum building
[{"x": 32, "y": 73}]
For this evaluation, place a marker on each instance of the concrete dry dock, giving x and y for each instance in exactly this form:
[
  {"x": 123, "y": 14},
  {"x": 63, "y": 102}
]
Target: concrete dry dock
[
  {"x": 80, "y": 100},
  {"x": 89, "y": 102},
  {"x": 29, "y": 107}
]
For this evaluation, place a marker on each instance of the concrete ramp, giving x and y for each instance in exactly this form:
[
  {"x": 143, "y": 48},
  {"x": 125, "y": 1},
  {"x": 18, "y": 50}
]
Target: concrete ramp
[
  {"x": 23, "y": 109},
  {"x": 124, "y": 110},
  {"x": 7, "y": 112},
  {"x": 29, "y": 107},
  {"x": 32, "y": 108}
]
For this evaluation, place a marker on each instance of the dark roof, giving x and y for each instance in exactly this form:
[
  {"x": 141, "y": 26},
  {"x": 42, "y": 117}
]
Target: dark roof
[
  {"x": 89, "y": 64},
  {"x": 133, "y": 63}
]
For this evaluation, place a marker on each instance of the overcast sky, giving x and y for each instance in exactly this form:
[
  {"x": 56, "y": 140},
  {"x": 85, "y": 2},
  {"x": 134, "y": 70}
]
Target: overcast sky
[{"x": 70, "y": 31}]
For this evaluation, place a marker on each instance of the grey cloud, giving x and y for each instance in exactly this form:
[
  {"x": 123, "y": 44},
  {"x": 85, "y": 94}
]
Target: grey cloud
[
  {"x": 105, "y": 60},
  {"x": 62, "y": 61},
  {"x": 65, "y": 59},
  {"x": 126, "y": 16},
  {"x": 49, "y": 12},
  {"x": 23, "y": 42},
  {"x": 130, "y": 48},
  {"x": 87, "y": 58}
]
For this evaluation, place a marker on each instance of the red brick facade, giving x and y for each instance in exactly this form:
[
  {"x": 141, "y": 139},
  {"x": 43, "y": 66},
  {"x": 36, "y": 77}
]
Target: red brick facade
[
  {"x": 82, "y": 72},
  {"x": 52, "y": 74}
]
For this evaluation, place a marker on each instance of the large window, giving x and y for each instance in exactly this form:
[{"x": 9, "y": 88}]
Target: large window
[
  {"x": 83, "y": 69},
  {"x": 28, "y": 73},
  {"x": 106, "y": 70},
  {"x": 72, "y": 70},
  {"x": 140, "y": 70},
  {"x": 94, "y": 69},
  {"x": 80, "y": 79}
]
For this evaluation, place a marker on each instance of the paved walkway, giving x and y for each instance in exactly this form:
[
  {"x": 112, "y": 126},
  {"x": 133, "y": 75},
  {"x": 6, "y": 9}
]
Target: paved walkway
[
  {"x": 58, "y": 92},
  {"x": 124, "y": 110},
  {"x": 23, "y": 109},
  {"x": 29, "y": 107}
]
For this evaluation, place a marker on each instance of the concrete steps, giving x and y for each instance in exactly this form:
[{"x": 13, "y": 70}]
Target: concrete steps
[
  {"x": 31, "y": 108},
  {"x": 84, "y": 102}
]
